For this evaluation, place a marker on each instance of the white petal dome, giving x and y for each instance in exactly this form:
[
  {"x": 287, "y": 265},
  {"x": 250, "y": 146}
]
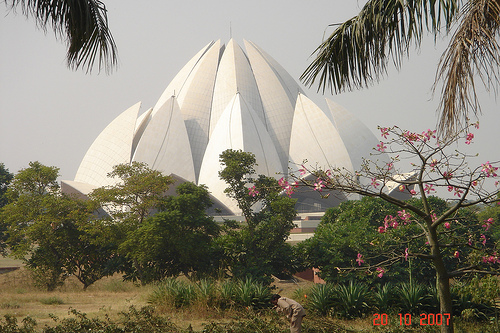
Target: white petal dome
[{"x": 226, "y": 98}]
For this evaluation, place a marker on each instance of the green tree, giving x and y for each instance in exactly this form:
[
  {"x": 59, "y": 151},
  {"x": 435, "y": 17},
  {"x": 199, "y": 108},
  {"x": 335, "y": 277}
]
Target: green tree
[
  {"x": 356, "y": 54},
  {"x": 5, "y": 179},
  {"x": 256, "y": 249},
  {"x": 448, "y": 235},
  {"x": 177, "y": 240},
  {"x": 140, "y": 192},
  {"x": 83, "y": 24},
  {"x": 55, "y": 234}
]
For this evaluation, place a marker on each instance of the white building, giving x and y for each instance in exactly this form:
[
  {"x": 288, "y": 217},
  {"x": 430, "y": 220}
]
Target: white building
[{"x": 226, "y": 98}]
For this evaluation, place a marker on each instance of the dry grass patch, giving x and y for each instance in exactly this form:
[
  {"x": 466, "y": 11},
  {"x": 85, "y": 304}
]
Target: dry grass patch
[{"x": 110, "y": 296}]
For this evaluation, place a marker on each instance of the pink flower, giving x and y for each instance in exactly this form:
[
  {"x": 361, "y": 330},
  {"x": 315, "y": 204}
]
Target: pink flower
[
  {"x": 282, "y": 182},
  {"x": 381, "y": 272},
  {"x": 456, "y": 254},
  {"x": 359, "y": 260},
  {"x": 390, "y": 166},
  {"x": 489, "y": 170},
  {"x": 381, "y": 147},
  {"x": 413, "y": 192},
  {"x": 302, "y": 170},
  {"x": 401, "y": 188},
  {"x": 390, "y": 220},
  {"x": 483, "y": 237},
  {"x": 447, "y": 225},
  {"x": 374, "y": 182},
  {"x": 447, "y": 175},
  {"x": 433, "y": 164},
  {"x": 318, "y": 186},
  {"x": 433, "y": 217},
  {"x": 469, "y": 138},
  {"x": 470, "y": 240},
  {"x": 385, "y": 132},
  {"x": 488, "y": 223},
  {"x": 476, "y": 125},
  {"x": 252, "y": 191},
  {"x": 406, "y": 254},
  {"x": 403, "y": 215},
  {"x": 381, "y": 230},
  {"x": 428, "y": 188}
]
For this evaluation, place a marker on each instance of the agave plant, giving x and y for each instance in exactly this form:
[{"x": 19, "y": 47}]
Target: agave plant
[
  {"x": 383, "y": 297},
  {"x": 172, "y": 292},
  {"x": 321, "y": 298},
  {"x": 414, "y": 298},
  {"x": 251, "y": 293},
  {"x": 353, "y": 299}
]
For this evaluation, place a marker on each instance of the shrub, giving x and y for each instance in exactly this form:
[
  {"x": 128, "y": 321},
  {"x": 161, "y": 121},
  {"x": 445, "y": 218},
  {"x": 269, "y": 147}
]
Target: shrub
[
  {"x": 53, "y": 300},
  {"x": 352, "y": 299},
  {"x": 320, "y": 299},
  {"x": 251, "y": 293},
  {"x": 413, "y": 298}
]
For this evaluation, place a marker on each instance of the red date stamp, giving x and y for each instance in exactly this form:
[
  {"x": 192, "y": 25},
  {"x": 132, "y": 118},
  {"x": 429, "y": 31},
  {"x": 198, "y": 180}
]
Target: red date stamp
[{"x": 425, "y": 319}]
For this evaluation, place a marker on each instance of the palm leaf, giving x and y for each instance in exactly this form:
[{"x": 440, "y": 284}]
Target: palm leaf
[
  {"x": 357, "y": 52},
  {"x": 82, "y": 23},
  {"x": 472, "y": 51}
]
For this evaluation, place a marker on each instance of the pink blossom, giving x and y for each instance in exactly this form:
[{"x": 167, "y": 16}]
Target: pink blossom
[
  {"x": 428, "y": 188},
  {"x": 381, "y": 272},
  {"x": 433, "y": 217},
  {"x": 381, "y": 230},
  {"x": 450, "y": 188},
  {"x": 390, "y": 166},
  {"x": 470, "y": 240},
  {"x": 302, "y": 170},
  {"x": 433, "y": 164},
  {"x": 406, "y": 254},
  {"x": 469, "y": 138},
  {"x": 458, "y": 192},
  {"x": 447, "y": 175},
  {"x": 385, "y": 132},
  {"x": 381, "y": 147},
  {"x": 474, "y": 183},
  {"x": 252, "y": 191},
  {"x": 476, "y": 125},
  {"x": 403, "y": 215},
  {"x": 427, "y": 135},
  {"x": 374, "y": 182},
  {"x": 483, "y": 237},
  {"x": 456, "y": 254},
  {"x": 401, "y": 188},
  {"x": 413, "y": 192},
  {"x": 410, "y": 136},
  {"x": 390, "y": 220},
  {"x": 489, "y": 170},
  {"x": 447, "y": 225},
  {"x": 282, "y": 182},
  {"x": 318, "y": 186},
  {"x": 488, "y": 223},
  {"x": 359, "y": 260}
]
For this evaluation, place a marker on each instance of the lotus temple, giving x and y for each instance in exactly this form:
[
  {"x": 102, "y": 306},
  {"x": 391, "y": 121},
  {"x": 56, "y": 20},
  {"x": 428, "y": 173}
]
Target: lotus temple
[{"x": 227, "y": 97}]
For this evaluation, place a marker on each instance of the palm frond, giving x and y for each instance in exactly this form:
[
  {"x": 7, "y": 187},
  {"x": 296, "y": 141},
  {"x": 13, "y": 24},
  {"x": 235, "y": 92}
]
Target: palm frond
[
  {"x": 82, "y": 23},
  {"x": 473, "y": 51},
  {"x": 357, "y": 52}
]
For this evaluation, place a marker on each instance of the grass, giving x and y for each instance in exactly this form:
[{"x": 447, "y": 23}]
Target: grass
[{"x": 111, "y": 296}]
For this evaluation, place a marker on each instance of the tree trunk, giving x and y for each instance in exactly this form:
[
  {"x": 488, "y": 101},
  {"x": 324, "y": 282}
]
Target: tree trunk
[{"x": 443, "y": 283}]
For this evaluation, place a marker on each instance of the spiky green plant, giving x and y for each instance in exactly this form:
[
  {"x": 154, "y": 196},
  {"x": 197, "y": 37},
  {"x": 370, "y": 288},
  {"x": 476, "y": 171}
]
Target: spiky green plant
[
  {"x": 353, "y": 299},
  {"x": 321, "y": 298}
]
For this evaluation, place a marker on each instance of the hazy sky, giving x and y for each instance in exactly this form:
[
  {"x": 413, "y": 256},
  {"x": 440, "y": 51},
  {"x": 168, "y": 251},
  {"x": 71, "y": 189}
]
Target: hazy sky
[{"x": 52, "y": 114}]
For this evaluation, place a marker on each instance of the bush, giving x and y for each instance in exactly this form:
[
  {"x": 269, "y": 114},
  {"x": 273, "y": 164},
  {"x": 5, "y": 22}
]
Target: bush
[
  {"x": 353, "y": 299},
  {"x": 320, "y": 299}
]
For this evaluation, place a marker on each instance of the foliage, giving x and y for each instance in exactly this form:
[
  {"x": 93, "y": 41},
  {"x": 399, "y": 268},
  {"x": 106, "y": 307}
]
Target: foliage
[
  {"x": 83, "y": 25},
  {"x": 256, "y": 249},
  {"x": 179, "y": 239},
  {"x": 54, "y": 233},
  {"x": 352, "y": 299},
  {"x": 356, "y": 54},
  {"x": 5, "y": 179},
  {"x": 219, "y": 295},
  {"x": 139, "y": 191},
  {"x": 448, "y": 236}
]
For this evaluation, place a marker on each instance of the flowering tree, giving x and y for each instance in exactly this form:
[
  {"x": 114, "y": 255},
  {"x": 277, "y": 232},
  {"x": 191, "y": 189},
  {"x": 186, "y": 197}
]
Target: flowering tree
[{"x": 434, "y": 165}]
